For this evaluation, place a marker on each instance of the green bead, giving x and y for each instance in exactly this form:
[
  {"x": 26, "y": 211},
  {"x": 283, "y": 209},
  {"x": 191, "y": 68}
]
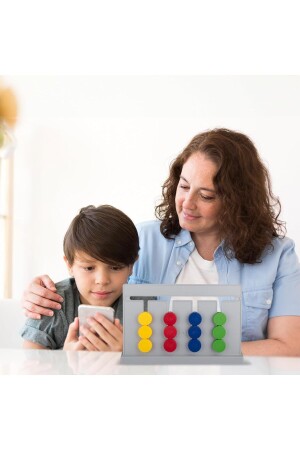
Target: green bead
[
  {"x": 218, "y": 345},
  {"x": 218, "y": 332},
  {"x": 219, "y": 318}
]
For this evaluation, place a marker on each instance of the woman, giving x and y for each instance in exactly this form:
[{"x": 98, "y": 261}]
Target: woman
[{"x": 218, "y": 223}]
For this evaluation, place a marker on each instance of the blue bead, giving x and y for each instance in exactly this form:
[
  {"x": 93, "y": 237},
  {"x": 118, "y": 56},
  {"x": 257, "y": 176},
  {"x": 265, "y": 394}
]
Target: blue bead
[
  {"x": 194, "y": 332},
  {"x": 195, "y": 318},
  {"x": 194, "y": 345}
]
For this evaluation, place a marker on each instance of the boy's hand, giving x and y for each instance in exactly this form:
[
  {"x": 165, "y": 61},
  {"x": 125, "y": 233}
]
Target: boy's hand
[
  {"x": 103, "y": 334},
  {"x": 72, "y": 342}
]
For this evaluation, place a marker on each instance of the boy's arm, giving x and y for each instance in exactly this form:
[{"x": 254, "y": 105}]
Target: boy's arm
[
  {"x": 47, "y": 333},
  {"x": 30, "y": 344}
]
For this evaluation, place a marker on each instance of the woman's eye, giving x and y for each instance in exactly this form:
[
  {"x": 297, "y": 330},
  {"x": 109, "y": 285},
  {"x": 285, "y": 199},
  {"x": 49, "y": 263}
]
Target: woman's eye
[
  {"x": 204, "y": 197},
  {"x": 183, "y": 186}
]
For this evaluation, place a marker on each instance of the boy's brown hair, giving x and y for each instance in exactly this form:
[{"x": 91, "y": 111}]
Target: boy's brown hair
[{"x": 105, "y": 233}]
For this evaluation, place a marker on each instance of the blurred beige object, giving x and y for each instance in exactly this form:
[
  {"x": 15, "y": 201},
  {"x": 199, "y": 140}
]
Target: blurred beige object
[
  {"x": 7, "y": 140},
  {"x": 8, "y": 116},
  {"x": 8, "y": 106}
]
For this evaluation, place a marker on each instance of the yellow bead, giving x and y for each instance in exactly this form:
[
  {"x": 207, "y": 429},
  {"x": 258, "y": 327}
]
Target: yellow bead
[
  {"x": 145, "y": 345},
  {"x": 145, "y": 318},
  {"x": 145, "y": 332}
]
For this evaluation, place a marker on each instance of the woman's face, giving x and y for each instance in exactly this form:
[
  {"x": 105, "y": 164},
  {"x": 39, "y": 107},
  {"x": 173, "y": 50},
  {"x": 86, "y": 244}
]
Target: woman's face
[{"x": 197, "y": 203}]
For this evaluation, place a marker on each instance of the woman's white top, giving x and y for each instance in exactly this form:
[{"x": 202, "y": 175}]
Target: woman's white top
[{"x": 198, "y": 271}]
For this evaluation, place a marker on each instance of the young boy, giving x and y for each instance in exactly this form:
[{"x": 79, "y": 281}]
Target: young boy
[{"x": 100, "y": 248}]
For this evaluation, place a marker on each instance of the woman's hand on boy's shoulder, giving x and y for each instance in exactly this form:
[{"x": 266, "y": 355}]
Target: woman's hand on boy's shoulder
[
  {"x": 40, "y": 298},
  {"x": 103, "y": 335}
]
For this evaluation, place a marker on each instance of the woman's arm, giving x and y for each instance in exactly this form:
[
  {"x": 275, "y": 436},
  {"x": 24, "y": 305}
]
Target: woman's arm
[
  {"x": 39, "y": 297},
  {"x": 283, "y": 339}
]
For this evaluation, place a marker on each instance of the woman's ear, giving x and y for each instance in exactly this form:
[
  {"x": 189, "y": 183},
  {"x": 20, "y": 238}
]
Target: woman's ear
[{"x": 68, "y": 265}]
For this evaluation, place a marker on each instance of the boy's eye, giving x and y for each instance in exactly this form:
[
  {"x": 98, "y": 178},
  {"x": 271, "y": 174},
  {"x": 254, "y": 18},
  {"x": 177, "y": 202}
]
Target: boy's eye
[
  {"x": 88, "y": 269},
  {"x": 116, "y": 268}
]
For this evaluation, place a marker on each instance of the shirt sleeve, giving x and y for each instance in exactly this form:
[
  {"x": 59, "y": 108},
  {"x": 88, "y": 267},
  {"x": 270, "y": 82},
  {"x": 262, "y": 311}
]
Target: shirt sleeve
[
  {"x": 50, "y": 332},
  {"x": 286, "y": 288}
]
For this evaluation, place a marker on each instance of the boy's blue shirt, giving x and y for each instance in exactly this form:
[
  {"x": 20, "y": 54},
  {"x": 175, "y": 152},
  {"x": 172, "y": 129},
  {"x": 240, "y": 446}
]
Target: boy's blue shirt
[{"x": 270, "y": 288}]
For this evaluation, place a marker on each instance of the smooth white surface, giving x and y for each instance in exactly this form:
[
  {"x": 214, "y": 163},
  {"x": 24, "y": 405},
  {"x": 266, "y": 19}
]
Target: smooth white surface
[{"x": 59, "y": 362}]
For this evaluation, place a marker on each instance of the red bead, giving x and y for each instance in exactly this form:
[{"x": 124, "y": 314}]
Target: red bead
[
  {"x": 170, "y": 331},
  {"x": 170, "y": 345},
  {"x": 170, "y": 318}
]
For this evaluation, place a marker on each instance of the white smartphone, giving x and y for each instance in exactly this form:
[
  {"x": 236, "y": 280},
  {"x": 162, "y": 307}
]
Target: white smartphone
[{"x": 85, "y": 311}]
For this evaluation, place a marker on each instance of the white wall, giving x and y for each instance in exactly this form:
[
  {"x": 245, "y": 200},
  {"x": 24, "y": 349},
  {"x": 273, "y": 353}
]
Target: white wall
[{"x": 94, "y": 140}]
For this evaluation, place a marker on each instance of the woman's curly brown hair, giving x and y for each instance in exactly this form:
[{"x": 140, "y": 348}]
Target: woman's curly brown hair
[{"x": 249, "y": 217}]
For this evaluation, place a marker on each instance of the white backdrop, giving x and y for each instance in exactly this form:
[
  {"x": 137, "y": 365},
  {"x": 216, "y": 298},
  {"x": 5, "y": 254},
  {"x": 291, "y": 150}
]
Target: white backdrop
[{"x": 93, "y": 140}]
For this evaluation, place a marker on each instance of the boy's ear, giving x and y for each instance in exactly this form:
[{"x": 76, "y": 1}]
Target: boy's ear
[
  {"x": 68, "y": 265},
  {"x": 131, "y": 266},
  {"x": 130, "y": 269}
]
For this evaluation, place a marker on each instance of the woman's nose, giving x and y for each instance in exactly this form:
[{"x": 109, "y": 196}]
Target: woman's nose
[{"x": 189, "y": 200}]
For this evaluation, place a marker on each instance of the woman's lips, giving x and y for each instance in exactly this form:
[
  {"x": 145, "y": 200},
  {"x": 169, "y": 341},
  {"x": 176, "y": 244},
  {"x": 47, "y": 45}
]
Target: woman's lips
[{"x": 189, "y": 216}]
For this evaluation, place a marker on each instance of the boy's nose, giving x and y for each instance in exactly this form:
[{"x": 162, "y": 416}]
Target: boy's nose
[{"x": 102, "y": 277}]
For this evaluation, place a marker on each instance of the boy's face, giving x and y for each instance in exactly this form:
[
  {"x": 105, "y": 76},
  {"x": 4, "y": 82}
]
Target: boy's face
[{"x": 99, "y": 284}]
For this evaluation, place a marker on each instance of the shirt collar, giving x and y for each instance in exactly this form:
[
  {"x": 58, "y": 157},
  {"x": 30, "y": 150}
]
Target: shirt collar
[
  {"x": 183, "y": 238},
  {"x": 219, "y": 250}
]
